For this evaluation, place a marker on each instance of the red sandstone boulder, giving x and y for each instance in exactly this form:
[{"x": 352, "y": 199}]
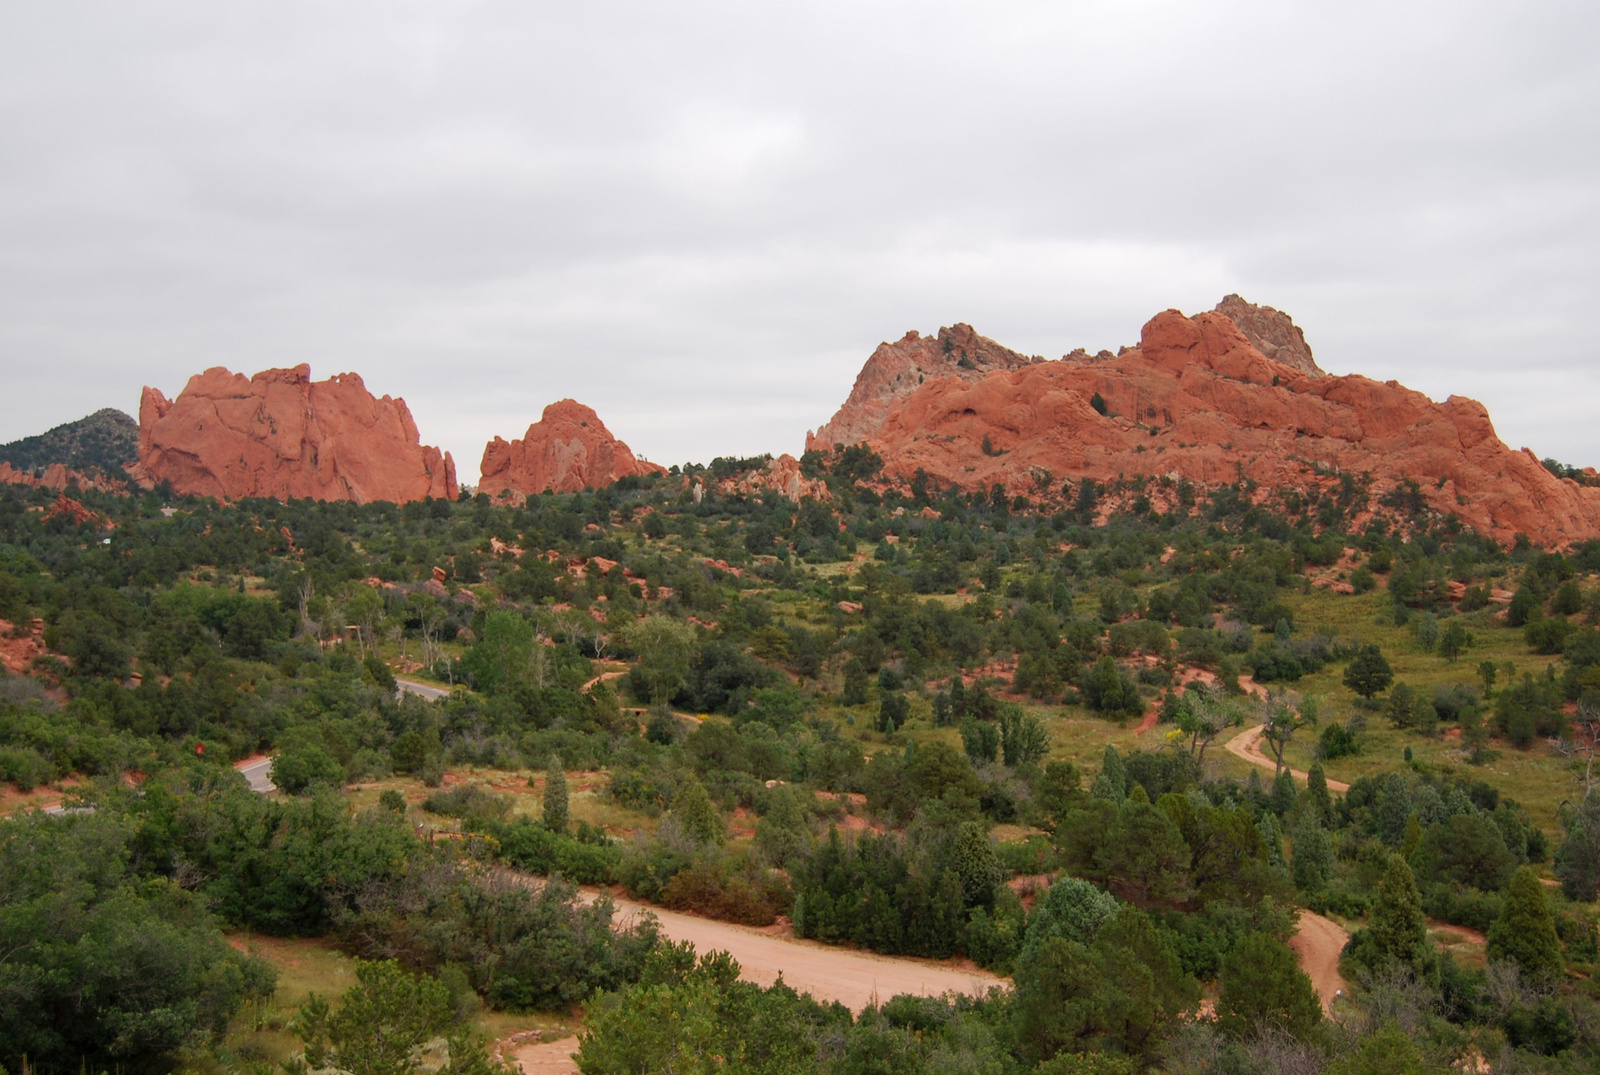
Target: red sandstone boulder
[
  {"x": 67, "y": 508},
  {"x": 1198, "y": 400},
  {"x": 566, "y": 450},
  {"x": 280, "y": 434}
]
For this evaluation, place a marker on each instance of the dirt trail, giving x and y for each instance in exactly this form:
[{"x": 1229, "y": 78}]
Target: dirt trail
[
  {"x": 1318, "y": 943},
  {"x": 1466, "y": 934},
  {"x": 1247, "y": 745},
  {"x": 602, "y": 677},
  {"x": 852, "y": 977},
  {"x": 546, "y": 1058}
]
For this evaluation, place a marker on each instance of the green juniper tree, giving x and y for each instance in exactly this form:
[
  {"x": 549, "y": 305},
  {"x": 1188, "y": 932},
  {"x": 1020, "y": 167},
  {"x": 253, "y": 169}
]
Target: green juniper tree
[
  {"x": 1525, "y": 932},
  {"x": 1112, "y": 780},
  {"x": 698, "y": 815},
  {"x": 1368, "y": 672},
  {"x": 1263, "y": 986},
  {"x": 1313, "y": 853},
  {"x": 555, "y": 796},
  {"x": 1396, "y": 931}
]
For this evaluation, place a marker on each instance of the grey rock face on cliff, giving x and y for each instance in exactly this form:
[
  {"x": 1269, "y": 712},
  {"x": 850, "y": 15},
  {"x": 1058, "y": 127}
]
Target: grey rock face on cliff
[{"x": 1271, "y": 332}]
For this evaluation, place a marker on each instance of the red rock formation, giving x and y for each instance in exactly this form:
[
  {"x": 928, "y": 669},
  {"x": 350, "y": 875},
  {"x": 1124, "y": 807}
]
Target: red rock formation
[
  {"x": 58, "y": 477},
  {"x": 895, "y": 370},
  {"x": 1271, "y": 332},
  {"x": 780, "y": 475},
  {"x": 67, "y": 508},
  {"x": 280, "y": 434},
  {"x": 1196, "y": 400},
  {"x": 566, "y": 450}
]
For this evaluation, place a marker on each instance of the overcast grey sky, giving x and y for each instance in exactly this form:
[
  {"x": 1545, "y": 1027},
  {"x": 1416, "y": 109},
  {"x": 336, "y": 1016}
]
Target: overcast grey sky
[{"x": 700, "y": 218}]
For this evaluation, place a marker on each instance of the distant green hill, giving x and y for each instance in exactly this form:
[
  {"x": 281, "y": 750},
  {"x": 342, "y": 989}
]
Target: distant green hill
[{"x": 108, "y": 439}]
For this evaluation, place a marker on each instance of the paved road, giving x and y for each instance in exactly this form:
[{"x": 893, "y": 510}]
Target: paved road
[
  {"x": 421, "y": 690},
  {"x": 257, "y": 770}
]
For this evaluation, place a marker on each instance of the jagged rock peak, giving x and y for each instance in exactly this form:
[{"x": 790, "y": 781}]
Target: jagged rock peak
[
  {"x": 894, "y": 371},
  {"x": 280, "y": 434},
  {"x": 1272, "y": 332},
  {"x": 566, "y": 450},
  {"x": 1198, "y": 401}
]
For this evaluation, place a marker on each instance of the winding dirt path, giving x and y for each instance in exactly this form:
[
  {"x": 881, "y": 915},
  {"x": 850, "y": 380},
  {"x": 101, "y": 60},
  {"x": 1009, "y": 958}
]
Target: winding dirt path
[
  {"x": 602, "y": 679},
  {"x": 853, "y": 977},
  {"x": 1318, "y": 942},
  {"x": 1247, "y": 745},
  {"x": 546, "y": 1058}
]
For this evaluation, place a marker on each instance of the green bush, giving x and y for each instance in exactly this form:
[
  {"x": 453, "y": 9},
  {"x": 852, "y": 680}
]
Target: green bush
[
  {"x": 24, "y": 767},
  {"x": 300, "y": 769},
  {"x": 531, "y": 846}
]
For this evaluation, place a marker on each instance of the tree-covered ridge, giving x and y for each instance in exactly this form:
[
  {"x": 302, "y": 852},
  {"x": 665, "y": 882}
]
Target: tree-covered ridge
[
  {"x": 868, "y": 714},
  {"x": 107, "y": 439}
]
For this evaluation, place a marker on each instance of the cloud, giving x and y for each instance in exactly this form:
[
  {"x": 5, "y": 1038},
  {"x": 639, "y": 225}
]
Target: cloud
[{"x": 700, "y": 218}]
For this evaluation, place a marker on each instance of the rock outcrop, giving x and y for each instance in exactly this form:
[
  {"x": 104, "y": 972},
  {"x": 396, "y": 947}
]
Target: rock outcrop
[
  {"x": 566, "y": 450},
  {"x": 1272, "y": 332},
  {"x": 897, "y": 369},
  {"x": 58, "y": 477},
  {"x": 1197, "y": 400},
  {"x": 281, "y": 434},
  {"x": 781, "y": 475}
]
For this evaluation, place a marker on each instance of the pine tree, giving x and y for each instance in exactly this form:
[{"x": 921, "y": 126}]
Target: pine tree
[
  {"x": 1317, "y": 792},
  {"x": 1112, "y": 783},
  {"x": 958, "y": 699},
  {"x": 1284, "y": 793},
  {"x": 781, "y": 834},
  {"x": 698, "y": 814},
  {"x": 893, "y": 709},
  {"x": 1525, "y": 932},
  {"x": 1413, "y": 837},
  {"x": 1253, "y": 789},
  {"x": 1145, "y": 856},
  {"x": 1313, "y": 854},
  {"x": 1396, "y": 930},
  {"x": 1368, "y": 672},
  {"x": 1578, "y": 859},
  {"x": 976, "y": 864},
  {"x": 1272, "y": 837},
  {"x": 555, "y": 796},
  {"x": 1394, "y": 806},
  {"x": 1263, "y": 986}
]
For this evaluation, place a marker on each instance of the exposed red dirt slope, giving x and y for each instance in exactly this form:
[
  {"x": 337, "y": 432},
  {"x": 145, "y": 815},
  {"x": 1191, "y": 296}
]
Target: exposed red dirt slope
[
  {"x": 1197, "y": 400},
  {"x": 281, "y": 434},
  {"x": 566, "y": 450}
]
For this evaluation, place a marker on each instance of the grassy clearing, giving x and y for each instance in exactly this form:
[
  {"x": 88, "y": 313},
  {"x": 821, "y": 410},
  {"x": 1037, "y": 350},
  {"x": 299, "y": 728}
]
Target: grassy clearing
[
  {"x": 260, "y": 1032},
  {"x": 1539, "y": 778},
  {"x": 586, "y": 790}
]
